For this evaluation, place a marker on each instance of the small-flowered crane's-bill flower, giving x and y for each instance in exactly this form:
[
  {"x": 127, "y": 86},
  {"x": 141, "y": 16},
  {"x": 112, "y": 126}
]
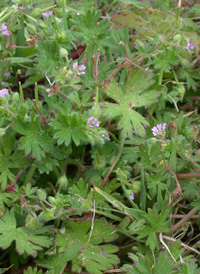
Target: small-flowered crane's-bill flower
[
  {"x": 79, "y": 70},
  {"x": 4, "y": 30},
  {"x": 190, "y": 45},
  {"x": 131, "y": 196},
  {"x": 3, "y": 92},
  {"x": 105, "y": 136},
  {"x": 47, "y": 14},
  {"x": 93, "y": 122},
  {"x": 159, "y": 129},
  {"x": 7, "y": 73}
]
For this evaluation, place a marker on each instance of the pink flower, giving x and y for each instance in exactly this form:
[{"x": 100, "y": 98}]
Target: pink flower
[
  {"x": 159, "y": 129},
  {"x": 93, "y": 122},
  {"x": 3, "y": 92},
  {"x": 79, "y": 70},
  {"x": 190, "y": 45},
  {"x": 4, "y": 30},
  {"x": 47, "y": 14}
]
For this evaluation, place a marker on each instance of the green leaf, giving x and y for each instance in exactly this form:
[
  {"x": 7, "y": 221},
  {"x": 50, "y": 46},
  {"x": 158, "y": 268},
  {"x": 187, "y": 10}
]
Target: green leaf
[
  {"x": 189, "y": 268},
  {"x": 19, "y": 60},
  {"x": 9, "y": 160},
  {"x": 135, "y": 96},
  {"x": 56, "y": 264},
  {"x": 69, "y": 127},
  {"x": 156, "y": 223},
  {"x": 27, "y": 240},
  {"x": 5, "y": 198},
  {"x": 94, "y": 254},
  {"x": 33, "y": 142},
  {"x": 148, "y": 22}
]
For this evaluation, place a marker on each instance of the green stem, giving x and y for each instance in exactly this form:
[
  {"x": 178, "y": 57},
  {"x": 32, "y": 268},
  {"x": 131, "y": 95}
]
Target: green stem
[
  {"x": 160, "y": 77},
  {"x": 21, "y": 93},
  {"x": 64, "y": 16},
  {"x": 178, "y": 12},
  {"x": 114, "y": 163},
  {"x": 143, "y": 189},
  {"x": 36, "y": 94},
  {"x": 175, "y": 76},
  {"x": 30, "y": 174},
  {"x": 56, "y": 172}
]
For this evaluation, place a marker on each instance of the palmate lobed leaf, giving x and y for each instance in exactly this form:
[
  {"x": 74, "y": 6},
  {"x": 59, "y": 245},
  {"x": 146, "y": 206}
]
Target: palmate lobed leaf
[
  {"x": 27, "y": 240},
  {"x": 95, "y": 258},
  {"x": 9, "y": 160},
  {"x": 135, "y": 95},
  {"x": 147, "y": 22},
  {"x": 33, "y": 142},
  {"x": 56, "y": 264}
]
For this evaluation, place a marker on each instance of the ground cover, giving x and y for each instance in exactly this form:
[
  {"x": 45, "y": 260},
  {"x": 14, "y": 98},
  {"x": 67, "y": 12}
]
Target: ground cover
[{"x": 99, "y": 137}]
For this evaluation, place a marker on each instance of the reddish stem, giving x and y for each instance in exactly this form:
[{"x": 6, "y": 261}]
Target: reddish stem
[{"x": 189, "y": 175}]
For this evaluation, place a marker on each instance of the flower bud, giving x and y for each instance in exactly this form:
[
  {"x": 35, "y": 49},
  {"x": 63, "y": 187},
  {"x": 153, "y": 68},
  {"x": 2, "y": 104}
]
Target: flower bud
[
  {"x": 152, "y": 141},
  {"x": 31, "y": 28},
  {"x": 41, "y": 194},
  {"x": 136, "y": 186},
  {"x": 62, "y": 182},
  {"x": 30, "y": 221},
  {"x": 52, "y": 200},
  {"x": 184, "y": 62},
  {"x": 43, "y": 25},
  {"x": 63, "y": 52},
  {"x": 177, "y": 38},
  {"x": 15, "y": 97},
  {"x": 181, "y": 91},
  {"x": 36, "y": 13},
  {"x": 26, "y": 2}
]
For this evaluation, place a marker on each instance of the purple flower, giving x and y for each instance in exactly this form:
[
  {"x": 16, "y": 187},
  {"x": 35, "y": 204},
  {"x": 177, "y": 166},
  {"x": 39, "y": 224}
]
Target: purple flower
[
  {"x": 190, "y": 45},
  {"x": 47, "y": 14},
  {"x": 105, "y": 136},
  {"x": 7, "y": 73},
  {"x": 4, "y": 30},
  {"x": 3, "y": 92},
  {"x": 93, "y": 122},
  {"x": 131, "y": 196},
  {"x": 79, "y": 70},
  {"x": 159, "y": 129}
]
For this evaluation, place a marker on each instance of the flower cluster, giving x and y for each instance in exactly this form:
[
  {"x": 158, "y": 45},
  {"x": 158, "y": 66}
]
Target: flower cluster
[
  {"x": 4, "y": 30},
  {"x": 93, "y": 122},
  {"x": 3, "y": 92},
  {"x": 47, "y": 14},
  {"x": 159, "y": 129},
  {"x": 79, "y": 70},
  {"x": 190, "y": 45}
]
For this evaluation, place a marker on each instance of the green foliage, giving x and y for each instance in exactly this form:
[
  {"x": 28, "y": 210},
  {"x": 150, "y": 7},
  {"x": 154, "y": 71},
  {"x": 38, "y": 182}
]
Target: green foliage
[
  {"x": 69, "y": 127},
  {"x": 32, "y": 142},
  {"x": 27, "y": 241},
  {"x": 118, "y": 194},
  {"x": 31, "y": 270},
  {"x": 95, "y": 256},
  {"x": 156, "y": 223},
  {"x": 9, "y": 160},
  {"x": 135, "y": 96}
]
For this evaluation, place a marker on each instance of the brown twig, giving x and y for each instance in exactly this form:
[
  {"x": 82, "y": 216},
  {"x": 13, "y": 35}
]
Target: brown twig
[{"x": 187, "y": 217}]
